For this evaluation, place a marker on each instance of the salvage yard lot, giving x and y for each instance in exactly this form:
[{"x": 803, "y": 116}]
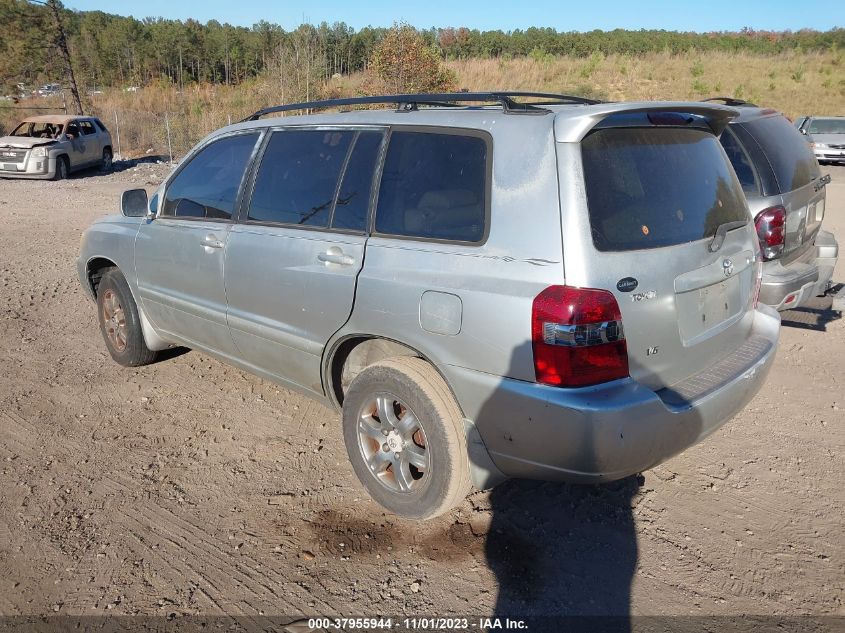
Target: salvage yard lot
[{"x": 191, "y": 487}]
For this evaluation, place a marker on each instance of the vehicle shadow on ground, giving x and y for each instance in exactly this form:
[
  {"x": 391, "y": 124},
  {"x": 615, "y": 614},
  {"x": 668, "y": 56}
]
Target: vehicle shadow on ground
[
  {"x": 564, "y": 554},
  {"x": 118, "y": 166},
  {"x": 170, "y": 353},
  {"x": 815, "y": 315}
]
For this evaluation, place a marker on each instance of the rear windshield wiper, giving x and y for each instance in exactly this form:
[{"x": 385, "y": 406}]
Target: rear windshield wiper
[{"x": 722, "y": 231}]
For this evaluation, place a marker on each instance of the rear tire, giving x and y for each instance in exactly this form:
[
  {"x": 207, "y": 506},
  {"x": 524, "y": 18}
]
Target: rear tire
[
  {"x": 107, "y": 161},
  {"x": 403, "y": 403},
  {"x": 62, "y": 168},
  {"x": 120, "y": 322}
]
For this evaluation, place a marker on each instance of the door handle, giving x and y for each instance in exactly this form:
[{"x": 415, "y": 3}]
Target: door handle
[
  {"x": 211, "y": 241},
  {"x": 335, "y": 256}
]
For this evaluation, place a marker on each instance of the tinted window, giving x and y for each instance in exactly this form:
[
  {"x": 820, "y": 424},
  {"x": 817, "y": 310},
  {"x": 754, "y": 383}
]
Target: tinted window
[
  {"x": 207, "y": 186},
  {"x": 653, "y": 187},
  {"x": 787, "y": 149},
  {"x": 740, "y": 162},
  {"x": 434, "y": 186},
  {"x": 354, "y": 197},
  {"x": 87, "y": 127},
  {"x": 297, "y": 180}
]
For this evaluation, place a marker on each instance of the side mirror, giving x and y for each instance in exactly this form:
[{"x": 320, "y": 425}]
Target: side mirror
[{"x": 133, "y": 203}]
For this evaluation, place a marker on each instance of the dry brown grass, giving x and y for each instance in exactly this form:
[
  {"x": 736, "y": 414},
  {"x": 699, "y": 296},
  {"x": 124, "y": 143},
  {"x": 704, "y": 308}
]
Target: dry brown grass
[{"x": 795, "y": 83}]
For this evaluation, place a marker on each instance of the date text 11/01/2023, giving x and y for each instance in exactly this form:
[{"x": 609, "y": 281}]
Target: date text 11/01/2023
[{"x": 418, "y": 624}]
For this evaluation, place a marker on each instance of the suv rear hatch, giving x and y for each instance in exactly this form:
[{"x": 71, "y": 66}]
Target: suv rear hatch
[
  {"x": 656, "y": 190},
  {"x": 797, "y": 178}
]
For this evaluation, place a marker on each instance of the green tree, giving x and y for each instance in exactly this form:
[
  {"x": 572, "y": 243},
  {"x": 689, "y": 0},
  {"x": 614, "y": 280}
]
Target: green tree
[{"x": 404, "y": 63}]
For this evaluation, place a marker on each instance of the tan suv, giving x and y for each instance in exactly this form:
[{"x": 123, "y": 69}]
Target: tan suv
[{"x": 51, "y": 146}]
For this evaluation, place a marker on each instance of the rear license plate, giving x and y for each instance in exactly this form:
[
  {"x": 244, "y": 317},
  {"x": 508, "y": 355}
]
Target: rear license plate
[
  {"x": 714, "y": 303},
  {"x": 705, "y": 308}
]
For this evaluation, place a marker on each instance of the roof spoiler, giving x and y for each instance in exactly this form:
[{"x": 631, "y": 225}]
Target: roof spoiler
[
  {"x": 572, "y": 129},
  {"x": 730, "y": 101}
]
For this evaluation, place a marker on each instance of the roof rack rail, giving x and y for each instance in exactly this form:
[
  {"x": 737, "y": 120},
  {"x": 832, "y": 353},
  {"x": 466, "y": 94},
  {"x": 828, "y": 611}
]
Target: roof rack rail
[
  {"x": 732, "y": 101},
  {"x": 410, "y": 102}
]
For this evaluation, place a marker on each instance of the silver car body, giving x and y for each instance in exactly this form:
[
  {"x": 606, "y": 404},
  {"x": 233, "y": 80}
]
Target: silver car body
[
  {"x": 826, "y": 136},
  {"x": 296, "y": 305},
  {"x": 34, "y": 157},
  {"x": 805, "y": 267}
]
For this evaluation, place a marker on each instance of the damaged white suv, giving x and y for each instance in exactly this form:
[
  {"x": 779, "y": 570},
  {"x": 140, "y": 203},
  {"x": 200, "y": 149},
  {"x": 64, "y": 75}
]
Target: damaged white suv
[{"x": 51, "y": 146}]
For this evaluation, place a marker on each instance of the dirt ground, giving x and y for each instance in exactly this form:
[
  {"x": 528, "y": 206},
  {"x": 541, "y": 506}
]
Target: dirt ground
[{"x": 189, "y": 487}]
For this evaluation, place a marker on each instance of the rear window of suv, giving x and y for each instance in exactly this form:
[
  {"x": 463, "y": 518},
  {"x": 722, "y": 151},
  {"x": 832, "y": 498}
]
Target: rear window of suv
[
  {"x": 657, "y": 187},
  {"x": 787, "y": 151}
]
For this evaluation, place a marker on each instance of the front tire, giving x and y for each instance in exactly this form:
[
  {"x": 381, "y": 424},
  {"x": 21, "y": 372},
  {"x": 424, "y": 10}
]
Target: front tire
[
  {"x": 405, "y": 437},
  {"x": 62, "y": 168},
  {"x": 120, "y": 322}
]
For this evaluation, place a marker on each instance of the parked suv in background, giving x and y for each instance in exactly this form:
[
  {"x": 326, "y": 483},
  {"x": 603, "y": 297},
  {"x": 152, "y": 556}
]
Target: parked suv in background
[
  {"x": 563, "y": 290},
  {"x": 786, "y": 194},
  {"x": 51, "y": 146},
  {"x": 826, "y": 136}
]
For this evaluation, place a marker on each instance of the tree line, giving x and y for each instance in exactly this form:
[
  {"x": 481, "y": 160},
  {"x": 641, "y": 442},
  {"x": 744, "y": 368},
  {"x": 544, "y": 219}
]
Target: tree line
[{"x": 112, "y": 50}]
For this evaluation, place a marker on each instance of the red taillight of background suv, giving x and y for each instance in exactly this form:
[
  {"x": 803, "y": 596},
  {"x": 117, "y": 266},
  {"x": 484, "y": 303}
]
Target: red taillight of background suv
[
  {"x": 770, "y": 231},
  {"x": 577, "y": 337}
]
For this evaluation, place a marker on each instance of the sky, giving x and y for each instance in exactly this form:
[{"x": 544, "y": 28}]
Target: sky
[{"x": 564, "y": 15}]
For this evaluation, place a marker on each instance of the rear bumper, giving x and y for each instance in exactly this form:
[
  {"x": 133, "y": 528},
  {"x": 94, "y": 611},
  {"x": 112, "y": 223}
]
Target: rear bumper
[
  {"x": 787, "y": 287},
  {"x": 610, "y": 431}
]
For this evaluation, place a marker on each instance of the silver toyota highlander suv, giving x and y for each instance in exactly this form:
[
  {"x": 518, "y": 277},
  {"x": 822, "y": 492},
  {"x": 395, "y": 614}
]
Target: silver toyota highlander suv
[{"x": 485, "y": 287}]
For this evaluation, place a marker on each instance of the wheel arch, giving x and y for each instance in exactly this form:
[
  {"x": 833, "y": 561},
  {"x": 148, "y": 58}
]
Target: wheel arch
[
  {"x": 98, "y": 266},
  {"x": 352, "y": 353},
  {"x": 95, "y": 268}
]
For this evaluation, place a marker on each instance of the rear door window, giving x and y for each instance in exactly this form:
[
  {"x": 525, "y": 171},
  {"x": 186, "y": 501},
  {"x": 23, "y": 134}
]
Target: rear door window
[
  {"x": 741, "y": 162},
  {"x": 298, "y": 177},
  {"x": 207, "y": 186},
  {"x": 87, "y": 127},
  {"x": 434, "y": 185},
  {"x": 657, "y": 187},
  {"x": 787, "y": 149}
]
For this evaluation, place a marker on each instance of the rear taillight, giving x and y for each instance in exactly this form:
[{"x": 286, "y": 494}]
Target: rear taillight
[
  {"x": 770, "y": 231},
  {"x": 577, "y": 337}
]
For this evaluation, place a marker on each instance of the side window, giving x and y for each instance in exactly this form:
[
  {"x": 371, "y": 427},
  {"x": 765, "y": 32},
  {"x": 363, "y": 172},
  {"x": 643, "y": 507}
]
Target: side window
[
  {"x": 353, "y": 199},
  {"x": 787, "y": 150},
  {"x": 297, "y": 179},
  {"x": 72, "y": 130},
  {"x": 207, "y": 187},
  {"x": 740, "y": 162},
  {"x": 87, "y": 127},
  {"x": 434, "y": 185}
]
